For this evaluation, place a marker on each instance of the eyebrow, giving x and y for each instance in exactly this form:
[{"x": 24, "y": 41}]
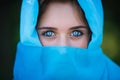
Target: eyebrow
[
  {"x": 39, "y": 28},
  {"x": 74, "y": 27}
]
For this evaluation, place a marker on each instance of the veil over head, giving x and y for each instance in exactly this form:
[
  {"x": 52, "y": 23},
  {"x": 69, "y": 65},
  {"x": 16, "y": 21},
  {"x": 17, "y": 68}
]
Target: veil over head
[{"x": 36, "y": 62}]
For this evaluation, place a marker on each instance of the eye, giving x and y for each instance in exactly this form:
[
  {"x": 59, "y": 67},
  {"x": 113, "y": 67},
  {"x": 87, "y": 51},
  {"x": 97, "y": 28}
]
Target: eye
[
  {"x": 76, "y": 33},
  {"x": 48, "y": 34}
]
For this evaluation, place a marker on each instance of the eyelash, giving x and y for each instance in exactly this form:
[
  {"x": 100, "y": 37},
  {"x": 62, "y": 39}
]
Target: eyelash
[
  {"x": 51, "y": 34},
  {"x": 48, "y": 33},
  {"x": 76, "y": 33}
]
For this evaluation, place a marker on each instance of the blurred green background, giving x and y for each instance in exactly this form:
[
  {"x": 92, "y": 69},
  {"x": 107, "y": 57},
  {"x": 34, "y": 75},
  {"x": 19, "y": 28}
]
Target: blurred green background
[{"x": 9, "y": 33}]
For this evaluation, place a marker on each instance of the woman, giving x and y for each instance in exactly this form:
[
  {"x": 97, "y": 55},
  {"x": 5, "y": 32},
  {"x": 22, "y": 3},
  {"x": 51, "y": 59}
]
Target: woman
[{"x": 62, "y": 42}]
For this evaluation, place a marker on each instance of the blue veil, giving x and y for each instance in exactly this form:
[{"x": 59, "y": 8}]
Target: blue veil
[{"x": 35, "y": 62}]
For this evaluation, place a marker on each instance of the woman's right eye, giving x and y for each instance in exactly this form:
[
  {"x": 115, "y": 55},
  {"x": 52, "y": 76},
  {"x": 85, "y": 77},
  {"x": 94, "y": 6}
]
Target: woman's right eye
[{"x": 48, "y": 34}]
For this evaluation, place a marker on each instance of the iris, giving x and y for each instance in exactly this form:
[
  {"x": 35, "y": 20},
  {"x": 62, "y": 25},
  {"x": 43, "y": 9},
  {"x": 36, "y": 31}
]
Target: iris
[
  {"x": 76, "y": 33},
  {"x": 48, "y": 33}
]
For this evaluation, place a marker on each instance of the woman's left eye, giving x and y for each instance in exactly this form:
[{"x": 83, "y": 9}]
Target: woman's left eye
[{"x": 76, "y": 33}]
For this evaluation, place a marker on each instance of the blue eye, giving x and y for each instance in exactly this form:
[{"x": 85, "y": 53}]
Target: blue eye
[
  {"x": 76, "y": 33},
  {"x": 48, "y": 34}
]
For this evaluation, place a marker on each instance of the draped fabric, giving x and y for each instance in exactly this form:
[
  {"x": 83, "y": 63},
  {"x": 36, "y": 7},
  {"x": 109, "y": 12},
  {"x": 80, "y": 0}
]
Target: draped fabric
[{"x": 35, "y": 62}]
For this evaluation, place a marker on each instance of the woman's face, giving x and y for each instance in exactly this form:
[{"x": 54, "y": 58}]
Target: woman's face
[{"x": 63, "y": 25}]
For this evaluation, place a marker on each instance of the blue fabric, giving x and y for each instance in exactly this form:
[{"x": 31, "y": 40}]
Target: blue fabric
[
  {"x": 94, "y": 14},
  {"x": 63, "y": 63},
  {"x": 35, "y": 62},
  {"x": 29, "y": 13}
]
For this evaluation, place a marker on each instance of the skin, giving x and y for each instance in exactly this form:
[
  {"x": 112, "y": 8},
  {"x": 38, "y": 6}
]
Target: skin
[{"x": 63, "y": 25}]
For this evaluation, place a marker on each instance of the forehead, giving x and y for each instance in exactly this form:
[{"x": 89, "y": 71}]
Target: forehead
[{"x": 61, "y": 15}]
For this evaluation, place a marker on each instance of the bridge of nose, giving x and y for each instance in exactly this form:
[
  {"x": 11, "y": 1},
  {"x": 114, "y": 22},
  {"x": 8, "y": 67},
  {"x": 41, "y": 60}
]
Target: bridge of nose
[{"x": 63, "y": 40}]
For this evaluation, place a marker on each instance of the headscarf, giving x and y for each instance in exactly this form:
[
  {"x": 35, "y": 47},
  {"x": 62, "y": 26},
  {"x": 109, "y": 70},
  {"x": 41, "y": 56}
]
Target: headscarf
[{"x": 35, "y": 62}]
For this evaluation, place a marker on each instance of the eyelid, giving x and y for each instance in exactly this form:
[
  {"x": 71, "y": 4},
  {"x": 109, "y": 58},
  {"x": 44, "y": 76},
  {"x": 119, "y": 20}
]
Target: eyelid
[
  {"x": 79, "y": 31},
  {"x": 83, "y": 30},
  {"x": 78, "y": 36},
  {"x": 42, "y": 33}
]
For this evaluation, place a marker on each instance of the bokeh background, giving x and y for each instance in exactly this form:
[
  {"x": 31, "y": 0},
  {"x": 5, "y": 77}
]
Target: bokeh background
[{"x": 9, "y": 33}]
